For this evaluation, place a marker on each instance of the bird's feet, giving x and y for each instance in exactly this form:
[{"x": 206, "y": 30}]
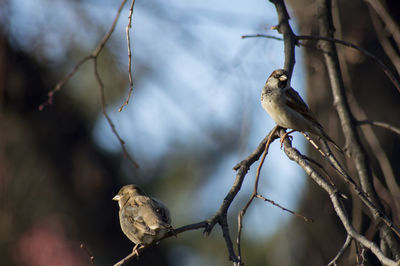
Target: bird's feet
[
  {"x": 285, "y": 136},
  {"x": 135, "y": 250}
]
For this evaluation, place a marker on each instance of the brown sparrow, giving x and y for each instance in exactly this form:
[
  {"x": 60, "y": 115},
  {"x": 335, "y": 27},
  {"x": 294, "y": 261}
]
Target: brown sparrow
[
  {"x": 143, "y": 219},
  {"x": 287, "y": 108}
]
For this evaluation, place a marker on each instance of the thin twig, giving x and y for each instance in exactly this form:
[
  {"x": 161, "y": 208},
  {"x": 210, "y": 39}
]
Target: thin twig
[
  {"x": 242, "y": 168},
  {"x": 384, "y": 40},
  {"x": 328, "y": 177},
  {"x": 228, "y": 241},
  {"x": 353, "y": 142},
  {"x": 380, "y": 155},
  {"x": 129, "y": 257},
  {"x": 93, "y": 55},
  {"x": 341, "y": 251},
  {"x": 255, "y": 189},
  {"x": 254, "y": 194},
  {"x": 221, "y": 215},
  {"x": 387, "y": 19},
  {"x": 262, "y": 36},
  {"x": 312, "y": 142},
  {"x": 175, "y": 232},
  {"x": 384, "y": 68},
  {"x": 379, "y": 124},
  {"x": 128, "y": 39},
  {"x": 91, "y": 257},
  {"x": 376, "y": 211},
  {"x": 294, "y": 155},
  {"x": 61, "y": 83},
  {"x": 110, "y": 122},
  {"x": 305, "y": 218}
]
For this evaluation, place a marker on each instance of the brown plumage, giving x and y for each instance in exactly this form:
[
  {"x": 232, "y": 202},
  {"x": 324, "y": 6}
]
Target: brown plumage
[{"x": 143, "y": 219}]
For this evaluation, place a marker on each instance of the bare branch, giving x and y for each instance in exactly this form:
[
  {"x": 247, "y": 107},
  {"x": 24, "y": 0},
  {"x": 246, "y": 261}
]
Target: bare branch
[
  {"x": 254, "y": 194},
  {"x": 341, "y": 251},
  {"x": 93, "y": 55},
  {"x": 262, "y": 36},
  {"x": 241, "y": 169},
  {"x": 91, "y": 257},
  {"x": 380, "y": 156},
  {"x": 110, "y": 122},
  {"x": 387, "y": 19},
  {"x": 353, "y": 142},
  {"x": 387, "y": 46},
  {"x": 289, "y": 39},
  {"x": 175, "y": 232},
  {"x": 344, "y": 112},
  {"x": 384, "y": 68},
  {"x": 305, "y": 218},
  {"x": 228, "y": 241},
  {"x": 379, "y": 124},
  {"x": 128, "y": 39},
  {"x": 61, "y": 83},
  {"x": 294, "y": 155}
]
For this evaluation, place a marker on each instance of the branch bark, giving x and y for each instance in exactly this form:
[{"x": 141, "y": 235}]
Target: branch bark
[
  {"x": 289, "y": 39},
  {"x": 348, "y": 123},
  {"x": 294, "y": 155}
]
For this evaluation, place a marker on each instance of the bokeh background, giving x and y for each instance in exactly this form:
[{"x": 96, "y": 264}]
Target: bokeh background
[{"x": 194, "y": 113}]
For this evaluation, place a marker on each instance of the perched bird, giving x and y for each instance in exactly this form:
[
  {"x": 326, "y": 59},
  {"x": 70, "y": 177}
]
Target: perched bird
[
  {"x": 287, "y": 108},
  {"x": 143, "y": 219}
]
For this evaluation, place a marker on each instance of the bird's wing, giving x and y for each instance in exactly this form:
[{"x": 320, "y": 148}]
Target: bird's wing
[
  {"x": 162, "y": 211},
  {"x": 294, "y": 101},
  {"x": 138, "y": 213}
]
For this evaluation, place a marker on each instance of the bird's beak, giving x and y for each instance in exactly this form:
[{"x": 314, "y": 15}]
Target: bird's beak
[
  {"x": 283, "y": 78},
  {"x": 117, "y": 197}
]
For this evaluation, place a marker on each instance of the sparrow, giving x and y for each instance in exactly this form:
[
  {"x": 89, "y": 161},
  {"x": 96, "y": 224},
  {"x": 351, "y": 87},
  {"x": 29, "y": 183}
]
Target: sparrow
[
  {"x": 287, "y": 108},
  {"x": 143, "y": 219}
]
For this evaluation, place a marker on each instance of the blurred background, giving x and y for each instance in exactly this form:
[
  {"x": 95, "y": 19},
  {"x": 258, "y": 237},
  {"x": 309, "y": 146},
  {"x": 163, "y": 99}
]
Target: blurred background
[{"x": 194, "y": 113}]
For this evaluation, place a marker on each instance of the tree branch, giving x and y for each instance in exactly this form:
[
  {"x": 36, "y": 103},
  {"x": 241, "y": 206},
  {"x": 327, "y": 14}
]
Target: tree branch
[
  {"x": 110, "y": 122},
  {"x": 128, "y": 39},
  {"x": 384, "y": 68},
  {"x": 254, "y": 194},
  {"x": 387, "y": 19},
  {"x": 347, "y": 120},
  {"x": 341, "y": 251},
  {"x": 221, "y": 215},
  {"x": 289, "y": 39},
  {"x": 93, "y": 56},
  {"x": 379, "y": 124},
  {"x": 90, "y": 255},
  {"x": 294, "y": 155}
]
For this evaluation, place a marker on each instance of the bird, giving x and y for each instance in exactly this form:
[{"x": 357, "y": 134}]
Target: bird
[
  {"x": 143, "y": 219},
  {"x": 287, "y": 108}
]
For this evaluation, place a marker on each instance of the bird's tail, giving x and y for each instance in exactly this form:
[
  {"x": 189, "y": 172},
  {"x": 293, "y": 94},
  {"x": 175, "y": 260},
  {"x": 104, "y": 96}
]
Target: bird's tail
[{"x": 331, "y": 141}]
